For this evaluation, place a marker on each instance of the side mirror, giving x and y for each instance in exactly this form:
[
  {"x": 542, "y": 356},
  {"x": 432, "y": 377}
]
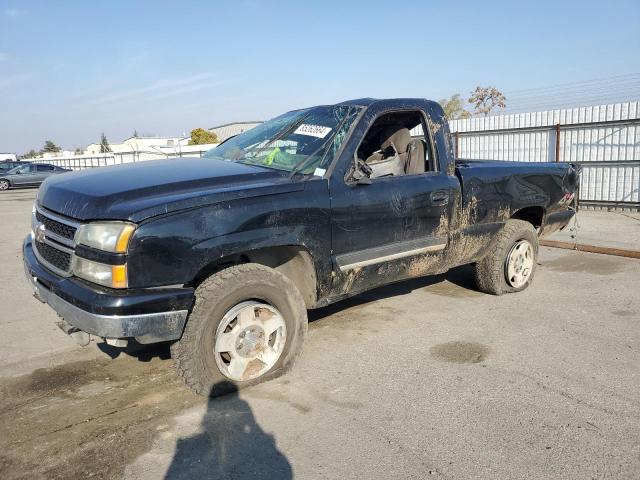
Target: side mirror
[
  {"x": 361, "y": 173},
  {"x": 362, "y": 180}
]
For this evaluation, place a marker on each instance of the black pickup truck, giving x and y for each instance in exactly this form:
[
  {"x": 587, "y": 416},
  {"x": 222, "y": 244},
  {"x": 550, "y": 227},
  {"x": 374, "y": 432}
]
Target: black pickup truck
[{"x": 223, "y": 255}]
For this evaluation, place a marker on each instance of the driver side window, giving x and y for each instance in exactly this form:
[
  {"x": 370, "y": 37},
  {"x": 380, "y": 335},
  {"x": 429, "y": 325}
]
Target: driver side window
[{"x": 396, "y": 145}]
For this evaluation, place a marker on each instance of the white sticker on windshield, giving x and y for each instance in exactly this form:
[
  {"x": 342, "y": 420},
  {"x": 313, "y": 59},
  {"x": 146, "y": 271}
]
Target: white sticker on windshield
[
  {"x": 313, "y": 130},
  {"x": 319, "y": 172}
]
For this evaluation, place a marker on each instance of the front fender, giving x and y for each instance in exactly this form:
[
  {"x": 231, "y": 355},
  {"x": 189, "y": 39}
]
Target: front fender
[{"x": 173, "y": 249}]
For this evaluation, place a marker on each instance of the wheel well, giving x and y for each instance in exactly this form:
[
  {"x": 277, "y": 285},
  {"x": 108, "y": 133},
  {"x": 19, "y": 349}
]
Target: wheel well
[
  {"x": 533, "y": 215},
  {"x": 294, "y": 262}
]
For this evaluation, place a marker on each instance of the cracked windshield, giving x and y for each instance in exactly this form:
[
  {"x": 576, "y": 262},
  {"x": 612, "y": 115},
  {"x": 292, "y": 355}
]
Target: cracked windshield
[{"x": 302, "y": 141}]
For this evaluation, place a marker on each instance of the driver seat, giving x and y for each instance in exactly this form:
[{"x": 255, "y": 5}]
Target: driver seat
[{"x": 399, "y": 154}]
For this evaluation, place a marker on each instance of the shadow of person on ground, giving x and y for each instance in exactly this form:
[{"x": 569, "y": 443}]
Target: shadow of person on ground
[{"x": 230, "y": 445}]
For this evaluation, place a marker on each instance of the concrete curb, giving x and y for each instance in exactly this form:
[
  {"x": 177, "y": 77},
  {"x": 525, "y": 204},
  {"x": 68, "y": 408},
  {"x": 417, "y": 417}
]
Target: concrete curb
[{"x": 620, "y": 252}]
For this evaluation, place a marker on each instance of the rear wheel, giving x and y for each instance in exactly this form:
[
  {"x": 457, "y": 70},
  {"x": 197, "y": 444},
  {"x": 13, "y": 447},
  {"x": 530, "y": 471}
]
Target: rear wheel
[
  {"x": 519, "y": 264},
  {"x": 4, "y": 184},
  {"x": 511, "y": 262},
  {"x": 248, "y": 325}
]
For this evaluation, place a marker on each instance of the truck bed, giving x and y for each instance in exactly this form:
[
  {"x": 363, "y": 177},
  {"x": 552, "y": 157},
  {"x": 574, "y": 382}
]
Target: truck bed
[{"x": 495, "y": 190}]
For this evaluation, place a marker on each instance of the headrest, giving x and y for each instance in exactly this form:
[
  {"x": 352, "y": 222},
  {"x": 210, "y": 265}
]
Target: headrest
[{"x": 400, "y": 137}]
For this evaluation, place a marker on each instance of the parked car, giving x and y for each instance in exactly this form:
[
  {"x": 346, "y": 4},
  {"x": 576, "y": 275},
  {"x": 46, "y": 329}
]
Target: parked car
[
  {"x": 6, "y": 165},
  {"x": 28, "y": 175},
  {"x": 223, "y": 255}
]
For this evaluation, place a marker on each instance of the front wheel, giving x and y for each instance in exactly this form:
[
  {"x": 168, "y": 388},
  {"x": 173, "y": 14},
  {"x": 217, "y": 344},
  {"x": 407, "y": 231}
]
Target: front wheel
[
  {"x": 248, "y": 325},
  {"x": 512, "y": 259},
  {"x": 4, "y": 184}
]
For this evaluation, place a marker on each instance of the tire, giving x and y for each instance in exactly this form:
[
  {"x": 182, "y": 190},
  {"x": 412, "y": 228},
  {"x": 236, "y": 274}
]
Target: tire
[
  {"x": 4, "y": 184},
  {"x": 497, "y": 272},
  {"x": 239, "y": 290}
]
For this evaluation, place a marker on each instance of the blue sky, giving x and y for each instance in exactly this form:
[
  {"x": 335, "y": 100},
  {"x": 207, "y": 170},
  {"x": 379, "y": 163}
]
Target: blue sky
[{"x": 72, "y": 69}]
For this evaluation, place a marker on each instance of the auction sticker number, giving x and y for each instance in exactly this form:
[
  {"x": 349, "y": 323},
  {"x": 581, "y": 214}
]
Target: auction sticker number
[{"x": 313, "y": 130}]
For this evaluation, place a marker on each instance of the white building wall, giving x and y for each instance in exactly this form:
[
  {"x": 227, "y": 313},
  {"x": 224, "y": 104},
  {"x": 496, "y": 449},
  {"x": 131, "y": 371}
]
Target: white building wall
[{"x": 230, "y": 129}]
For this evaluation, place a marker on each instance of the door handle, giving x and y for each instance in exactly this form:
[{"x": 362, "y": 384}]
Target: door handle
[{"x": 440, "y": 197}]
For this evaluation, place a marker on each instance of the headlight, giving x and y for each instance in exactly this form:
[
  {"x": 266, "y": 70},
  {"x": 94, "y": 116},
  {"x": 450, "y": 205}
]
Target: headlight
[
  {"x": 107, "y": 236},
  {"x": 113, "y": 276},
  {"x": 110, "y": 237}
]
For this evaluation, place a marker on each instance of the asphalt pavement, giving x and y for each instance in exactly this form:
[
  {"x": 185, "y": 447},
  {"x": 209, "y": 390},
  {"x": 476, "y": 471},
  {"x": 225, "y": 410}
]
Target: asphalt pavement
[{"x": 616, "y": 230}]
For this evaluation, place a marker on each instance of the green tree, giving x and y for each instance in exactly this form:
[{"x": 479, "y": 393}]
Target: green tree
[
  {"x": 200, "y": 136},
  {"x": 454, "y": 107},
  {"x": 486, "y": 99},
  {"x": 31, "y": 154},
  {"x": 50, "y": 147},
  {"x": 104, "y": 144},
  {"x": 78, "y": 151}
]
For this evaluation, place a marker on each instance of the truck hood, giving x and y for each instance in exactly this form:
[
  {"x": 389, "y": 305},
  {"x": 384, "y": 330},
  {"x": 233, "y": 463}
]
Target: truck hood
[{"x": 137, "y": 191}]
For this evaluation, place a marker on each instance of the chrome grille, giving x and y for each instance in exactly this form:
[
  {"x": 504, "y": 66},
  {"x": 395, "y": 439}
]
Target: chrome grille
[
  {"x": 54, "y": 242},
  {"x": 59, "y": 228},
  {"x": 54, "y": 257}
]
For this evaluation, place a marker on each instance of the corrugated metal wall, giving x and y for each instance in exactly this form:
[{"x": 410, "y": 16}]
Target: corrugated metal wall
[{"x": 604, "y": 139}]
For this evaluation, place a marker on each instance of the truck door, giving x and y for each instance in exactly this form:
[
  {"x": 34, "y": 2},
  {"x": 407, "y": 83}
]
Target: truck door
[{"x": 397, "y": 225}]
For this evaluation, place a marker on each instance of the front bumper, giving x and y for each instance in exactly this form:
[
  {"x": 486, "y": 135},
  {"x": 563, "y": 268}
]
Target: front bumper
[{"x": 148, "y": 315}]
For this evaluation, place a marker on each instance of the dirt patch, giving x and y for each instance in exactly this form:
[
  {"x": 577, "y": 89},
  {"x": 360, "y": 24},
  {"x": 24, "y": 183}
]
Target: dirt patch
[
  {"x": 625, "y": 313},
  {"x": 460, "y": 352},
  {"x": 86, "y": 419},
  {"x": 422, "y": 265},
  {"x": 60, "y": 378},
  {"x": 586, "y": 263}
]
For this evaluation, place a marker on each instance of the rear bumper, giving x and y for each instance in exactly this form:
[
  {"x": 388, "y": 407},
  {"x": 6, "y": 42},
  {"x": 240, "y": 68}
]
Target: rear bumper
[
  {"x": 148, "y": 315},
  {"x": 557, "y": 221}
]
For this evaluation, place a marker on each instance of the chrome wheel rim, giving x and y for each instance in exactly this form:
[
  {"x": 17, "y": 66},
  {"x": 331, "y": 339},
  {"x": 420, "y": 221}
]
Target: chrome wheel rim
[
  {"x": 519, "y": 264},
  {"x": 4, "y": 185},
  {"x": 249, "y": 340}
]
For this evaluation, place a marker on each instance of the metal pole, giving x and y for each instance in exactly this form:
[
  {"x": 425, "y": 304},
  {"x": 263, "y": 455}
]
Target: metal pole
[
  {"x": 457, "y": 145},
  {"x": 557, "y": 142}
]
